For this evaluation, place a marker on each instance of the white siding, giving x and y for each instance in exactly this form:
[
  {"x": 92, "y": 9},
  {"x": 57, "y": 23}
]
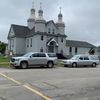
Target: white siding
[
  {"x": 83, "y": 50},
  {"x": 42, "y": 43},
  {"x": 61, "y": 30},
  {"x": 39, "y": 27},
  {"x": 37, "y": 43},
  {"x": 12, "y": 45},
  {"x": 62, "y": 45},
  {"x": 31, "y": 24},
  {"x": 20, "y": 46},
  {"x": 51, "y": 26},
  {"x": 80, "y": 50}
]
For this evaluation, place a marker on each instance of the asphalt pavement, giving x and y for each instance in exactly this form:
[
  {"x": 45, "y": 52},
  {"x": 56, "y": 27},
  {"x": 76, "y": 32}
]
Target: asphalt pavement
[{"x": 50, "y": 84}]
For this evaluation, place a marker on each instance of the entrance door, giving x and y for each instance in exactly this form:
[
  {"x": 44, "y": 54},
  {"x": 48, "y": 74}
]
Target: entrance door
[{"x": 51, "y": 47}]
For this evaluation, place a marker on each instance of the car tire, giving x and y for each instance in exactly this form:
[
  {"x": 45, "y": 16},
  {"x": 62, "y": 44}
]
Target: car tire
[
  {"x": 24, "y": 65},
  {"x": 94, "y": 65},
  {"x": 50, "y": 64},
  {"x": 74, "y": 64},
  {"x": 65, "y": 66}
]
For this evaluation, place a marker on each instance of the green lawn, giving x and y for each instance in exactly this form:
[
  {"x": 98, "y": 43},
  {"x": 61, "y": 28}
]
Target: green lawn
[
  {"x": 4, "y": 61},
  {"x": 59, "y": 63}
]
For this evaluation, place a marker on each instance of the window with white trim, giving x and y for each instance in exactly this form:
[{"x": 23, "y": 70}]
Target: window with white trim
[
  {"x": 62, "y": 40},
  {"x": 49, "y": 30},
  {"x": 12, "y": 43},
  {"x": 27, "y": 42},
  {"x": 42, "y": 37},
  {"x": 31, "y": 42},
  {"x": 53, "y": 31},
  {"x": 76, "y": 50},
  {"x": 70, "y": 49}
]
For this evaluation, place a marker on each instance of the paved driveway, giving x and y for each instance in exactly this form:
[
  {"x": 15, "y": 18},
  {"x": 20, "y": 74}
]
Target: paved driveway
[{"x": 50, "y": 84}]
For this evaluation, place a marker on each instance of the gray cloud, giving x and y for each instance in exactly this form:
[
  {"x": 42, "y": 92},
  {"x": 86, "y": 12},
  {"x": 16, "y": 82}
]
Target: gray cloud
[{"x": 82, "y": 17}]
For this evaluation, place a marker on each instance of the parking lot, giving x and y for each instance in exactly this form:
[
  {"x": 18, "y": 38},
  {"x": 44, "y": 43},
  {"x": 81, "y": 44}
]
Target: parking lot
[{"x": 57, "y": 83}]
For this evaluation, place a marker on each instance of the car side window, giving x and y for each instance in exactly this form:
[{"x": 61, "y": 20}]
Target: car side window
[
  {"x": 81, "y": 58},
  {"x": 86, "y": 58},
  {"x": 39, "y": 55},
  {"x": 42, "y": 55},
  {"x": 35, "y": 55}
]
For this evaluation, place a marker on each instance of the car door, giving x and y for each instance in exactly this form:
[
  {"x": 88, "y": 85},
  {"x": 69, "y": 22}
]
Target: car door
[
  {"x": 87, "y": 61},
  {"x": 42, "y": 59},
  {"x": 80, "y": 61},
  {"x": 38, "y": 59},
  {"x": 33, "y": 59}
]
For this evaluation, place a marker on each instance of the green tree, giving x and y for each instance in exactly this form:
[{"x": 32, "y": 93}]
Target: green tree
[
  {"x": 92, "y": 51},
  {"x": 2, "y": 47}
]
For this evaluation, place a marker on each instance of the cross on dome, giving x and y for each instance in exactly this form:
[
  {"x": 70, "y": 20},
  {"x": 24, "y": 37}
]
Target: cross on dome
[
  {"x": 60, "y": 9},
  {"x": 33, "y": 4},
  {"x": 40, "y": 5}
]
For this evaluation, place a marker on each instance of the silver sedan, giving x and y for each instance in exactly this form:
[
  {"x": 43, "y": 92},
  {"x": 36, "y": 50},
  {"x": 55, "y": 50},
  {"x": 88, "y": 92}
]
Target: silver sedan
[{"x": 81, "y": 60}]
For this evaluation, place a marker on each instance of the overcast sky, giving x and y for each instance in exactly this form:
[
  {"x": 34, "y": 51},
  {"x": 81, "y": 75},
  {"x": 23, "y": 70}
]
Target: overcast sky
[{"x": 82, "y": 17}]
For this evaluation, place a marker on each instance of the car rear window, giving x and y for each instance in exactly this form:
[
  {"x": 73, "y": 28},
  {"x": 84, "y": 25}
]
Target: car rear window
[
  {"x": 94, "y": 57},
  {"x": 52, "y": 55}
]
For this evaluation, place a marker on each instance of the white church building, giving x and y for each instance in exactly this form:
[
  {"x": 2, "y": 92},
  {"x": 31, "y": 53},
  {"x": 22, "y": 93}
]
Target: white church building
[{"x": 43, "y": 36}]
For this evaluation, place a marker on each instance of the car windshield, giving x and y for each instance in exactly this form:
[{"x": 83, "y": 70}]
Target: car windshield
[
  {"x": 75, "y": 57},
  {"x": 27, "y": 55}
]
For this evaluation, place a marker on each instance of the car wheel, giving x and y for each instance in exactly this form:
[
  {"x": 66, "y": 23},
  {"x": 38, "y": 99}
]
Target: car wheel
[
  {"x": 94, "y": 65},
  {"x": 24, "y": 65},
  {"x": 50, "y": 64},
  {"x": 65, "y": 65},
  {"x": 74, "y": 64}
]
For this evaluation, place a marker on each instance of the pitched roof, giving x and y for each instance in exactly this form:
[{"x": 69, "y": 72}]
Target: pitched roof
[
  {"x": 20, "y": 31},
  {"x": 30, "y": 32},
  {"x": 52, "y": 40},
  {"x": 73, "y": 43},
  {"x": 51, "y": 21}
]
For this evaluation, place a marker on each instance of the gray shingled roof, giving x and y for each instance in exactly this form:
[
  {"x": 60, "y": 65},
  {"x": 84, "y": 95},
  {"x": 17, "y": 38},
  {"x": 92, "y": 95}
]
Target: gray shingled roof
[
  {"x": 24, "y": 31},
  {"x": 73, "y": 43},
  {"x": 20, "y": 31}
]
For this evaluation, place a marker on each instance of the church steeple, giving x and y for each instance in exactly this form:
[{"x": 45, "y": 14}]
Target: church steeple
[
  {"x": 33, "y": 9},
  {"x": 31, "y": 19},
  {"x": 40, "y": 22},
  {"x": 60, "y": 17},
  {"x": 40, "y": 12},
  {"x": 60, "y": 24}
]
